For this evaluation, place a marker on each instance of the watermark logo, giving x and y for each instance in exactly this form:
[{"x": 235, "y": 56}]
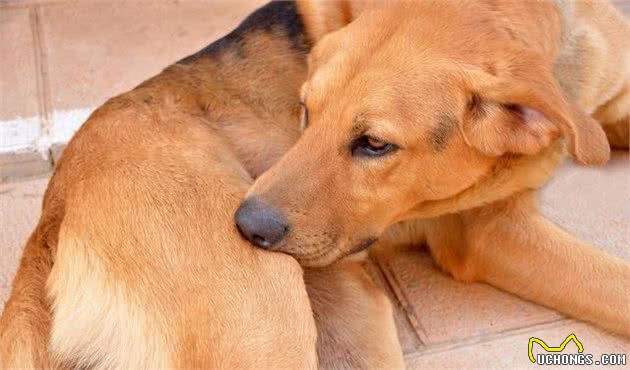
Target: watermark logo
[
  {"x": 560, "y": 348},
  {"x": 554, "y": 355}
]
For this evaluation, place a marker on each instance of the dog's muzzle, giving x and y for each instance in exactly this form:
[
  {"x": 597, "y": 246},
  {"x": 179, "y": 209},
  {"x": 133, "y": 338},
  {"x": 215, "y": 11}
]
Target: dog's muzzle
[{"x": 261, "y": 224}]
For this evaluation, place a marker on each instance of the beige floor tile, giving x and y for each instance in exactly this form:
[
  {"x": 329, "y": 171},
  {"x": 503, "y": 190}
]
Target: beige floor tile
[
  {"x": 593, "y": 203},
  {"x": 98, "y": 49},
  {"x": 510, "y": 350},
  {"x": 19, "y": 122},
  {"x": 443, "y": 310}
]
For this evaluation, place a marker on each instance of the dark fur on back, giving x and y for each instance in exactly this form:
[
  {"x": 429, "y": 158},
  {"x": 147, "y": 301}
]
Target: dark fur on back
[{"x": 279, "y": 17}]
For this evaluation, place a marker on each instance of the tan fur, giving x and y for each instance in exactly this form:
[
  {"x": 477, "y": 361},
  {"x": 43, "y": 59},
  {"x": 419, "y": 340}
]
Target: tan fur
[
  {"x": 482, "y": 98},
  {"x": 148, "y": 270},
  {"x": 135, "y": 262},
  {"x": 358, "y": 330},
  {"x": 25, "y": 321}
]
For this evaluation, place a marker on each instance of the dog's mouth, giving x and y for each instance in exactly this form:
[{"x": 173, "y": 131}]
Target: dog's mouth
[{"x": 363, "y": 245}]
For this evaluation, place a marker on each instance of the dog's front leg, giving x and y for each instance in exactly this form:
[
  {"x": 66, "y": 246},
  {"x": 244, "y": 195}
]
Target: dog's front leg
[
  {"x": 513, "y": 247},
  {"x": 354, "y": 319}
]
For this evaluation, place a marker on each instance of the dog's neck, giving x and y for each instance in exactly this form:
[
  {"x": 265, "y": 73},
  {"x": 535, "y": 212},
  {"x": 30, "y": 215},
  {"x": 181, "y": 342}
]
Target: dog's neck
[{"x": 246, "y": 85}]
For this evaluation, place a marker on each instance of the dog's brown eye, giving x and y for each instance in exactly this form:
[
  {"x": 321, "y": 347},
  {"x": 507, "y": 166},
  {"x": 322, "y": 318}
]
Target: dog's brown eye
[
  {"x": 367, "y": 146},
  {"x": 303, "y": 115}
]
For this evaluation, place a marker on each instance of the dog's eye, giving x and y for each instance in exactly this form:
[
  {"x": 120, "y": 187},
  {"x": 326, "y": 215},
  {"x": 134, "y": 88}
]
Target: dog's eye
[
  {"x": 367, "y": 146},
  {"x": 303, "y": 115}
]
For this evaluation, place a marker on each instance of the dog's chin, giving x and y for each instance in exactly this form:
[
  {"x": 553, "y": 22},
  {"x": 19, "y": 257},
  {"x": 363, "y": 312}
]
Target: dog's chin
[
  {"x": 333, "y": 254},
  {"x": 319, "y": 260}
]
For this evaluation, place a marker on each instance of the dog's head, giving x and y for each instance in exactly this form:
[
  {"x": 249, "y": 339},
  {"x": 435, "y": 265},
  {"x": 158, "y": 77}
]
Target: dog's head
[{"x": 404, "y": 105}]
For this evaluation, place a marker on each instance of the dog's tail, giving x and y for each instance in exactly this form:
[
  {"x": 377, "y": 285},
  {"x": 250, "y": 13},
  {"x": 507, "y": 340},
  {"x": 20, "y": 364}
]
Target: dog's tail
[{"x": 25, "y": 322}]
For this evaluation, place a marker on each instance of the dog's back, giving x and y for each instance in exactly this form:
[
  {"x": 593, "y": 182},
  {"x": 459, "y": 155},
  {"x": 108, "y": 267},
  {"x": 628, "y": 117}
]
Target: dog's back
[
  {"x": 136, "y": 256},
  {"x": 594, "y": 62}
]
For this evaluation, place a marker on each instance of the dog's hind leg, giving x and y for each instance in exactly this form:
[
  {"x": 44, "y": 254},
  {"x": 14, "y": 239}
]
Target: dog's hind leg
[
  {"x": 25, "y": 322},
  {"x": 513, "y": 247},
  {"x": 354, "y": 319}
]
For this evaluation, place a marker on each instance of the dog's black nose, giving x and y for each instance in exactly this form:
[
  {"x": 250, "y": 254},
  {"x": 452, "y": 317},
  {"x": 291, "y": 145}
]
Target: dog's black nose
[{"x": 260, "y": 223}]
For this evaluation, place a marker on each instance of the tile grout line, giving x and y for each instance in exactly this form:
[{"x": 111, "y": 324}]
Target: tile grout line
[
  {"x": 42, "y": 80},
  {"x": 395, "y": 301},
  {"x": 28, "y": 4},
  {"x": 474, "y": 340},
  {"x": 403, "y": 301}
]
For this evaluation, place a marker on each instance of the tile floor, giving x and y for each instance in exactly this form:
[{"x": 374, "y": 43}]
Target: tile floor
[{"x": 60, "y": 59}]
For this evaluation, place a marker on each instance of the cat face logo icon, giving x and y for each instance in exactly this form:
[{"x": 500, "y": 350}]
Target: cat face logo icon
[{"x": 560, "y": 348}]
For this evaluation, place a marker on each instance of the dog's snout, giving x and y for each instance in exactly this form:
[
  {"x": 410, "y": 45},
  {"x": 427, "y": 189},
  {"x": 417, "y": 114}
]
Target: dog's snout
[{"x": 261, "y": 224}]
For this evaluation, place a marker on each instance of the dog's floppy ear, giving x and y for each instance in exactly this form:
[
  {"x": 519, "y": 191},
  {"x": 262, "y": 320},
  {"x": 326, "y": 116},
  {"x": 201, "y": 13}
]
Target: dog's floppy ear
[
  {"x": 321, "y": 17},
  {"x": 523, "y": 109}
]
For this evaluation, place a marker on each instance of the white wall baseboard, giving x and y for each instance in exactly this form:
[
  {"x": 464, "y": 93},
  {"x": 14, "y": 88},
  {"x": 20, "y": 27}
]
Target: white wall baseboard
[{"x": 28, "y": 149}]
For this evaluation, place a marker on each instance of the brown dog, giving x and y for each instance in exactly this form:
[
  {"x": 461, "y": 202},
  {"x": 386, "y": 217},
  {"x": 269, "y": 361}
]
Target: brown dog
[
  {"x": 447, "y": 115},
  {"x": 136, "y": 263}
]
